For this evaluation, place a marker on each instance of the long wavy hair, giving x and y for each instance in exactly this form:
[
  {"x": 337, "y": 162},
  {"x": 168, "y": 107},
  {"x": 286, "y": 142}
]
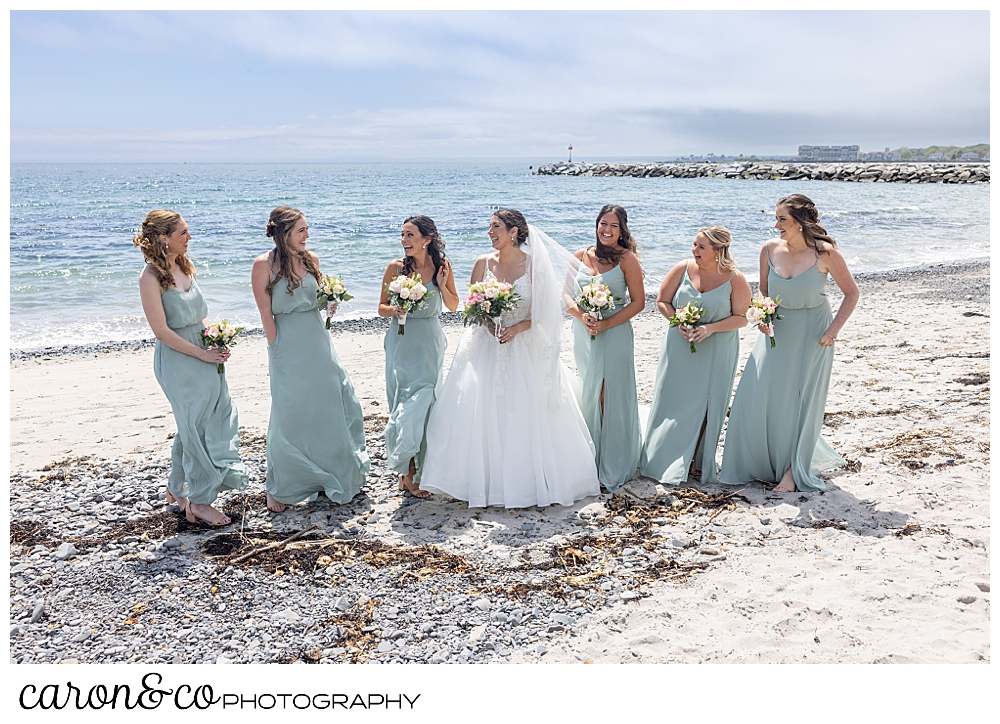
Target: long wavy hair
[
  {"x": 803, "y": 210},
  {"x": 719, "y": 239},
  {"x": 279, "y": 225},
  {"x": 626, "y": 242},
  {"x": 159, "y": 224},
  {"x": 425, "y": 225},
  {"x": 511, "y": 218}
]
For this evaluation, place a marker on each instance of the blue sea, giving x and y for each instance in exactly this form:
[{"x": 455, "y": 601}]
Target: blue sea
[{"x": 74, "y": 269}]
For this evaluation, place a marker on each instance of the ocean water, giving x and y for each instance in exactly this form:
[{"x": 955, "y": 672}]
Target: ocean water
[{"x": 74, "y": 269}]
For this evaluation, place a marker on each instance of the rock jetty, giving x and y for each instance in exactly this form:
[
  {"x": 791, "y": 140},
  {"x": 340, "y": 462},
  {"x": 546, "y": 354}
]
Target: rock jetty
[{"x": 914, "y": 173}]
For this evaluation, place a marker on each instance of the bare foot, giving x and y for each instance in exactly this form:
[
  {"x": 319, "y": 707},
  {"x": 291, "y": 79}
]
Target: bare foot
[
  {"x": 406, "y": 483},
  {"x": 274, "y": 506},
  {"x": 206, "y": 513},
  {"x": 787, "y": 485}
]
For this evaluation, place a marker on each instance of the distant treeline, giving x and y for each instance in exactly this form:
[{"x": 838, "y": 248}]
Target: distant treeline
[{"x": 948, "y": 153}]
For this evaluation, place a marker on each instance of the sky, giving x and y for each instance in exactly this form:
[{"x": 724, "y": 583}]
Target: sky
[{"x": 354, "y": 86}]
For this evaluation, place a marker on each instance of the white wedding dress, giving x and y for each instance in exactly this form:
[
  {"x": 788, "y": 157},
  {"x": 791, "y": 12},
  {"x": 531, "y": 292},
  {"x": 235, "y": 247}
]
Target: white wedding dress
[{"x": 506, "y": 429}]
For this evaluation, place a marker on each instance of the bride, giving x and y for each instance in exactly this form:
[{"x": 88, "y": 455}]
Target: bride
[{"x": 506, "y": 428}]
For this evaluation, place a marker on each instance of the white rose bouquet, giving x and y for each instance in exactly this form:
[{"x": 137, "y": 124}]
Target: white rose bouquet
[
  {"x": 688, "y": 316},
  {"x": 331, "y": 293},
  {"x": 764, "y": 310},
  {"x": 487, "y": 300},
  {"x": 595, "y": 299},
  {"x": 220, "y": 334},
  {"x": 408, "y": 293}
]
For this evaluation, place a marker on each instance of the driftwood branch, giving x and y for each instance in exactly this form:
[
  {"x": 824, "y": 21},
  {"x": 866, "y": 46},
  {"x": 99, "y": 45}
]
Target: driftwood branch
[{"x": 270, "y": 547}]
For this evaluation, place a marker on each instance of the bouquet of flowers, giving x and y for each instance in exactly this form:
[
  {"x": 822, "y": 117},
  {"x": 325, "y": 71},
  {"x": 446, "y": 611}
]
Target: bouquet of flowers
[
  {"x": 220, "y": 334},
  {"x": 688, "y": 316},
  {"x": 331, "y": 291},
  {"x": 487, "y": 300},
  {"x": 764, "y": 310},
  {"x": 596, "y": 298},
  {"x": 408, "y": 293}
]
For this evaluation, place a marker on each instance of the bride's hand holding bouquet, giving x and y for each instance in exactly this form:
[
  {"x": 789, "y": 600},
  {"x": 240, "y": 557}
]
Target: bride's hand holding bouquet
[{"x": 486, "y": 301}]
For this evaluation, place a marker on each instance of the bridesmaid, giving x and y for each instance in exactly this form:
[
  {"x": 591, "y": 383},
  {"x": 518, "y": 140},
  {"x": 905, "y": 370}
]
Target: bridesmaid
[
  {"x": 774, "y": 425},
  {"x": 205, "y": 456},
  {"x": 607, "y": 363},
  {"x": 413, "y": 361},
  {"x": 692, "y": 390},
  {"x": 315, "y": 437}
]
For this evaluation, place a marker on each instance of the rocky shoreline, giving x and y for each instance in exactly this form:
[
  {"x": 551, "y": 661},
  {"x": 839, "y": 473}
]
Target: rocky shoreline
[
  {"x": 890, "y": 564},
  {"x": 378, "y": 325},
  {"x": 362, "y": 582},
  {"x": 914, "y": 173}
]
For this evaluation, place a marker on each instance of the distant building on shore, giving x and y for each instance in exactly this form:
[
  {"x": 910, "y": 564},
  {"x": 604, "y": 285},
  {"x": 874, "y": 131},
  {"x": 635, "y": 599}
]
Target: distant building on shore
[
  {"x": 885, "y": 155},
  {"x": 829, "y": 153}
]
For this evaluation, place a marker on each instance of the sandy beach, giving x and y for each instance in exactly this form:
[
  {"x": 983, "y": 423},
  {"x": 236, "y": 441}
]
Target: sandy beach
[{"x": 890, "y": 564}]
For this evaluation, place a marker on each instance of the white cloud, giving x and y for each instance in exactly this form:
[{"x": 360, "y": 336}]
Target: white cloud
[{"x": 468, "y": 83}]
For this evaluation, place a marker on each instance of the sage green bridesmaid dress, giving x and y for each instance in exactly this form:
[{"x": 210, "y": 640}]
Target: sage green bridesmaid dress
[
  {"x": 692, "y": 389},
  {"x": 609, "y": 360},
  {"x": 205, "y": 456},
  {"x": 413, "y": 375},
  {"x": 777, "y": 413},
  {"x": 316, "y": 434}
]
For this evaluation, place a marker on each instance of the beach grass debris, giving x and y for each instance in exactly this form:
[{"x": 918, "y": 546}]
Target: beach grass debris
[
  {"x": 913, "y": 449},
  {"x": 974, "y": 378},
  {"x": 354, "y": 631}
]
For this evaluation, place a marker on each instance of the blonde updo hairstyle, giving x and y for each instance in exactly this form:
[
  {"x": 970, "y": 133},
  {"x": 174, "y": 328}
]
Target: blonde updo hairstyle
[
  {"x": 159, "y": 224},
  {"x": 719, "y": 238},
  {"x": 279, "y": 226}
]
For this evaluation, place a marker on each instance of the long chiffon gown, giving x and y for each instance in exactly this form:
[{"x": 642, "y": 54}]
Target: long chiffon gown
[
  {"x": 205, "y": 456},
  {"x": 777, "y": 412},
  {"x": 497, "y": 435},
  {"x": 413, "y": 374},
  {"x": 608, "y": 360},
  {"x": 316, "y": 435},
  {"x": 692, "y": 389}
]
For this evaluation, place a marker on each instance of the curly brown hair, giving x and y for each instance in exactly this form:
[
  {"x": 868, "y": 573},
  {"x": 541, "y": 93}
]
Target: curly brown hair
[
  {"x": 803, "y": 210},
  {"x": 160, "y": 223},
  {"x": 279, "y": 224},
  {"x": 626, "y": 242},
  {"x": 425, "y": 225}
]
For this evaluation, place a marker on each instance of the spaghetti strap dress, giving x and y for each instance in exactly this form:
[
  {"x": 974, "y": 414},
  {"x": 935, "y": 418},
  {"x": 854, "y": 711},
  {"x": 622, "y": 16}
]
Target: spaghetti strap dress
[
  {"x": 413, "y": 375},
  {"x": 608, "y": 360},
  {"x": 691, "y": 390},
  {"x": 316, "y": 434},
  {"x": 777, "y": 413},
  {"x": 205, "y": 456}
]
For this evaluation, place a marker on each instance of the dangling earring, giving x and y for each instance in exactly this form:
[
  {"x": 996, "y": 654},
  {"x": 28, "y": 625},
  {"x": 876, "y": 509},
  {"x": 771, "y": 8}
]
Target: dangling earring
[{"x": 717, "y": 257}]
